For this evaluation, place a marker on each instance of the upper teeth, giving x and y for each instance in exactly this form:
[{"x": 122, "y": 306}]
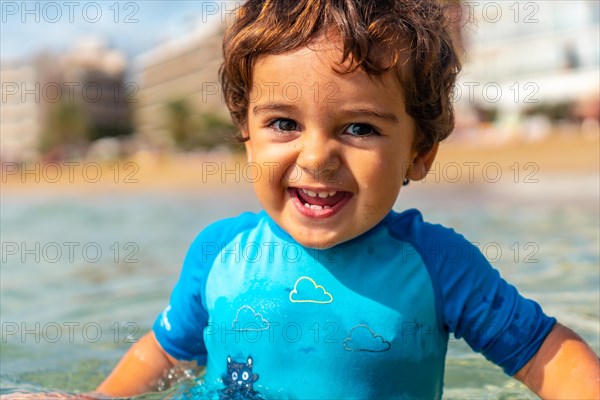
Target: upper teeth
[{"x": 320, "y": 194}]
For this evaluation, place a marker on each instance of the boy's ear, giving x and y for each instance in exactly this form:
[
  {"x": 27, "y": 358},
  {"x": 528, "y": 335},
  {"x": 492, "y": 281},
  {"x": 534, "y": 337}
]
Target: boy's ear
[
  {"x": 421, "y": 164},
  {"x": 247, "y": 144}
]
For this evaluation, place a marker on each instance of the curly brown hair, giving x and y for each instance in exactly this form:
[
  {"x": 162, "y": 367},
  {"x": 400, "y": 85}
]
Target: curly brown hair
[{"x": 418, "y": 29}]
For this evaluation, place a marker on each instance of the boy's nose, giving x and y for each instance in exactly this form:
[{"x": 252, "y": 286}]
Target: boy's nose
[{"x": 318, "y": 155}]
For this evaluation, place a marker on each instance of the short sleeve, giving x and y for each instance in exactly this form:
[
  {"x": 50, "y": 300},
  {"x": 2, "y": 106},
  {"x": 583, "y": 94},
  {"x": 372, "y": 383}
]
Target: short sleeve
[
  {"x": 490, "y": 314},
  {"x": 179, "y": 328},
  {"x": 473, "y": 300}
]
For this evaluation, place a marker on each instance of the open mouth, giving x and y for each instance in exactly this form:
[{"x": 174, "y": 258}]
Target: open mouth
[{"x": 319, "y": 203}]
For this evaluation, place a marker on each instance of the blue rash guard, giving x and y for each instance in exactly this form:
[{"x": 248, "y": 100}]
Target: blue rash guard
[{"x": 368, "y": 318}]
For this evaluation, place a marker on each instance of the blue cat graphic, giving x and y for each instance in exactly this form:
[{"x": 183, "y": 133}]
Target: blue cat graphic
[{"x": 239, "y": 381}]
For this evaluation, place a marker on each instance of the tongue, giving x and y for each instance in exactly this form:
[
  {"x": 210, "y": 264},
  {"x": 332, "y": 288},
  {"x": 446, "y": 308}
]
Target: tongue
[{"x": 318, "y": 201}]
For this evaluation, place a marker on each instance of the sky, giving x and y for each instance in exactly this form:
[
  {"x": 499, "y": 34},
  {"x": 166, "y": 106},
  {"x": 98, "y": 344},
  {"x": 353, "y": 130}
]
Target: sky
[{"x": 28, "y": 27}]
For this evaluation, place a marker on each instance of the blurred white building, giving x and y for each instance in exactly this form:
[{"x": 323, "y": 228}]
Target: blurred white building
[
  {"x": 20, "y": 124},
  {"x": 88, "y": 79},
  {"x": 100, "y": 73},
  {"x": 181, "y": 69},
  {"x": 520, "y": 54}
]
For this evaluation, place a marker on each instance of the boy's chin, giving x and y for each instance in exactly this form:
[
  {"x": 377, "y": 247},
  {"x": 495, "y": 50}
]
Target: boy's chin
[
  {"x": 317, "y": 245},
  {"x": 318, "y": 240}
]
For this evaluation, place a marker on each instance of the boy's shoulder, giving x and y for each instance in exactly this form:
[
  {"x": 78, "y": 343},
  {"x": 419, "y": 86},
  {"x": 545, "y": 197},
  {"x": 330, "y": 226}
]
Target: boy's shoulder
[
  {"x": 439, "y": 246},
  {"x": 410, "y": 225}
]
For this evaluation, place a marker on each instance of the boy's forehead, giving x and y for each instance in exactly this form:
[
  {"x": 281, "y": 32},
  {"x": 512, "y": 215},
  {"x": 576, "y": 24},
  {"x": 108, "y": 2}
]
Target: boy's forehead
[
  {"x": 287, "y": 76},
  {"x": 322, "y": 58},
  {"x": 305, "y": 82}
]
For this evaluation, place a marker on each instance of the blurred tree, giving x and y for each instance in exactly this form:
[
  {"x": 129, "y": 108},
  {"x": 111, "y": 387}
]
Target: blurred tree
[
  {"x": 179, "y": 121},
  {"x": 561, "y": 111},
  {"x": 216, "y": 129},
  {"x": 67, "y": 130},
  {"x": 197, "y": 130}
]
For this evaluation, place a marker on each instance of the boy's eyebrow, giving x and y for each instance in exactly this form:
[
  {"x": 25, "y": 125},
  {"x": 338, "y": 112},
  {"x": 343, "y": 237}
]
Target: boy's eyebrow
[
  {"x": 272, "y": 107},
  {"x": 371, "y": 112},
  {"x": 354, "y": 111}
]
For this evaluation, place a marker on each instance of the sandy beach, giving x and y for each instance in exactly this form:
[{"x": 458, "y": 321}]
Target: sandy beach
[{"x": 563, "y": 156}]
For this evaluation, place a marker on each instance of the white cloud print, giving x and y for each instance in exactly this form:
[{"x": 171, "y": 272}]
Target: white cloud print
[
  {"x": 306, "y": 290},
  {"x": 363, "y": 338},
  {"x": 246, "y": 319}
]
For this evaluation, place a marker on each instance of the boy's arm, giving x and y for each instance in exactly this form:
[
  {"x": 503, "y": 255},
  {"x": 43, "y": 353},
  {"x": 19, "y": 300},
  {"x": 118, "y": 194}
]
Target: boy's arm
[
  {"x": 564, "y": 367},
  {"x": 139, "y": 369}
]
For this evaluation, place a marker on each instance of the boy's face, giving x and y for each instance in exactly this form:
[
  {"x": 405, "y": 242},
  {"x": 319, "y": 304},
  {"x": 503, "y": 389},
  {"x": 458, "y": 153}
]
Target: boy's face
[{"x": 333, "y": 149}]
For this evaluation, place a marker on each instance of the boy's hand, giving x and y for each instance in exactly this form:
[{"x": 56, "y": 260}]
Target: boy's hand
[{"x": 565, "y": 367}]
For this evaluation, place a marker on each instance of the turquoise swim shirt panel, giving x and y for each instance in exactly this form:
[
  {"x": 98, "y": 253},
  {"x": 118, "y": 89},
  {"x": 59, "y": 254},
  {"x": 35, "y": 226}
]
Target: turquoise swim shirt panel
[{"x": 369, "y": 318}]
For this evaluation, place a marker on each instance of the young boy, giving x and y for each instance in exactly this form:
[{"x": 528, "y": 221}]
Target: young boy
[{"x": 327, "y": 293}]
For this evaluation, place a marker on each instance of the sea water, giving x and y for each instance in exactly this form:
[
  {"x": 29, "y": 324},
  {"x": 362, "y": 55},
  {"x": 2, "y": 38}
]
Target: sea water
[{"x": 84, "y": 275}]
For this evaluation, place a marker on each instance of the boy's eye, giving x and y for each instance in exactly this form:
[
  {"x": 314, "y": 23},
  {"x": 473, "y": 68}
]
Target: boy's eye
[
  {"x": 361, "y": 130},
  {"x": 282, "y": 124}
]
